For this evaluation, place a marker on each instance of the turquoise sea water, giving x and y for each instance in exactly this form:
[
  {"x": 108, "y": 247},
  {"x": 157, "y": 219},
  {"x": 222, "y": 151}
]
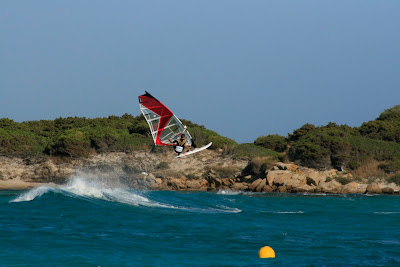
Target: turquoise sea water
[{"x": 89, "y": 224}]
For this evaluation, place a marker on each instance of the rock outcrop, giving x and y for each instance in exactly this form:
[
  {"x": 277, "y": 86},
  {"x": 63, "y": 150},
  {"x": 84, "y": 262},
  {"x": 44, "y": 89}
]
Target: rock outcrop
[{"x": 206, "y": 171}]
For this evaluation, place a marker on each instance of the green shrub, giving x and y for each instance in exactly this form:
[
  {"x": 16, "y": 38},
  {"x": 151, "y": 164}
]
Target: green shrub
[
  {"x": 380, "y": 130},
  {"x": 391, "y": 166},
  {"x": 343, "y": 180},
  {"x": 72, "y": 142},
  {"x": 391, "y": 114},
  {"x": 394, "y": 179},
  {"x": 302, "y": 131},
  {"x": 310, "y": 153},
  {"x": 140, "y": 128},
  {"x": 19, "y": 142},
  {"x": 377, "y": 149},
  {"x": 353, "y": 164},
  {"x": 274, "y": 142}
]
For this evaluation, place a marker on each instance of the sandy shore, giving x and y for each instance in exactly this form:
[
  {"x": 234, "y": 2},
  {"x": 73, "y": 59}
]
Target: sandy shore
[{"x": 17, "y": 184}]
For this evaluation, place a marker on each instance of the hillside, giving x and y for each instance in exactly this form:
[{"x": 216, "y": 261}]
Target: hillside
[
  {"x": 371, "y": 150},
  {"x": 365, "y": 153}
]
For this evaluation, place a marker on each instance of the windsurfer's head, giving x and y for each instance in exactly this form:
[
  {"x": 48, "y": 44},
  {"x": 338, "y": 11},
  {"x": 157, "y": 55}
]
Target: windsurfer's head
[{"x": 183, "y": 136}]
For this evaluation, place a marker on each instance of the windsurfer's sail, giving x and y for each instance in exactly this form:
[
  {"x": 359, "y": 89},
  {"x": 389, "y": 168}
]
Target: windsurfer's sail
[{"x": 162, "y": 122}]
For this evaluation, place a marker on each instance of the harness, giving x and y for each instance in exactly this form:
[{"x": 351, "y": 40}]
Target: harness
[{"x": 180, "y": 145}]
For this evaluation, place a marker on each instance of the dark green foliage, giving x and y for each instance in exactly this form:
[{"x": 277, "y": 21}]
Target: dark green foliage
[
  {"x": 391, "y": 114},
  {"x": 72, "y": 142},
  {"x": 140, "y": 128},
  {"x": 391, "y": 166},
  {"x": 274, "y": 142},
  {"x": 394, "y": 179},
  {"x": 15, "y": 141},
  {"x": 341, "y": 146},
  {"x": 381, "y": 130},
  {"x": 322, "y": 147},
  {"x": 80, "y": 137},
  {"x": 343, "y": 180},
  {"x": 303, "y": 130},
  {"x": 353, "y": 164},
  {"x": 386, "y": 127},
  {"x": 376, "y": 149},
  {"x": 72, "y": 136}
]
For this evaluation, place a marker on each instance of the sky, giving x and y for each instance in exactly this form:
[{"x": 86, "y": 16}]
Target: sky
[{"x": 241, "y": 68}]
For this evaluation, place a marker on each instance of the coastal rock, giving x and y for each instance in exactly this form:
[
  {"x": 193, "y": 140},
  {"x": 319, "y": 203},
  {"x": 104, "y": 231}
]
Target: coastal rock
[
  {"x": 388, "y": 190},
  {"x": 331, "y": 173},
  {"x": 254, "y": 185},
  {"x": 354, "y": 188},
  {"x": 286, "y": 166},
  {"x": 273, "y": 175},
  {"x": 329, "y": 187},
  {"x": 176, "y": 184},
  {"x": 374, "y": 188},
  {"x": 296, "y": 180},
  {"x": 261, "y": 185},
  {"x": 239, "y": 186},
  {"x": 305, "y": 188},
  {"x": 315, "y": 177},
  {"x": 267, "y": 188},
  {"x": 282, "y": 189},
  {"x": 193, "y": 185}
]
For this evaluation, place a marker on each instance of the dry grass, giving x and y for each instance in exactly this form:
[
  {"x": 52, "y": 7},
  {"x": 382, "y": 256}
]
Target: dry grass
[
  {"x": 223, "y": 172},
  {"x": 264, "y": 163},
  {"x": 369, "y": 169}
]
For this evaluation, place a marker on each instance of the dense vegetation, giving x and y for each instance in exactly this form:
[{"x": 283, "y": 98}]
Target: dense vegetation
[
  {"x": 341, "y": 146},
  {"x": 80, "y": 137},
  {"x": 375, "y": 142}
]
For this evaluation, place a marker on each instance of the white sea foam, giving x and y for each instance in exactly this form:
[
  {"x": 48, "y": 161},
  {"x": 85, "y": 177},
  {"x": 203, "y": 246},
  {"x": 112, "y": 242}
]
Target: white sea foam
[
  {"x": 387, "y": 212},
  {"x": 97, "y": 189},
  {"x": 228, "y": 192},
  {"x": 228, "y": 209},
  {"x": 284, "y": 212},
  {"x": 314, "y": 194},
  {"x": 288, "y": 212},
  {"x": 32, "y": 194},
  {"x": 90, "y": 189}
]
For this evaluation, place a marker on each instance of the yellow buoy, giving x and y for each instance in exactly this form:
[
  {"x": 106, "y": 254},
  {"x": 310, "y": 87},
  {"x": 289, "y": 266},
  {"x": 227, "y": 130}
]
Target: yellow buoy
[{"x": 266, "y": 252}]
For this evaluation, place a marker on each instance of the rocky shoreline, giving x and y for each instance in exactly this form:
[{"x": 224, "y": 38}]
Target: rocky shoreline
[{"x": 203, "y": 172}]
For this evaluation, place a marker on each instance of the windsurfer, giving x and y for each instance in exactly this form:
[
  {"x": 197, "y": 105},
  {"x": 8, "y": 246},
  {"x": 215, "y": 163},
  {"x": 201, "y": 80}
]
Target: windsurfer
[{"x": 179, "y": 144}]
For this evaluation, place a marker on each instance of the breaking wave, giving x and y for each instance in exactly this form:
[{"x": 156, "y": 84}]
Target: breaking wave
[
  {"x": 96, "y": 189},
  {"x": 228, "y": 192}
]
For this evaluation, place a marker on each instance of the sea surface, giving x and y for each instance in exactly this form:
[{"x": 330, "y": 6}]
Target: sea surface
[{"x": 86, "y": 223}]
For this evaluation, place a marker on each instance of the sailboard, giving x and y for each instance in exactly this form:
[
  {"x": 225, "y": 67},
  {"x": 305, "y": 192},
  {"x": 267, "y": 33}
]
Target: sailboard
[
  {"x": 163, "y": 123},
  {"x": 194, "y": 150}
]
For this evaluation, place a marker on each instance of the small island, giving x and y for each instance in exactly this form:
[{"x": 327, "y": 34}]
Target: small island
[{"x": 335, "y": 159}]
